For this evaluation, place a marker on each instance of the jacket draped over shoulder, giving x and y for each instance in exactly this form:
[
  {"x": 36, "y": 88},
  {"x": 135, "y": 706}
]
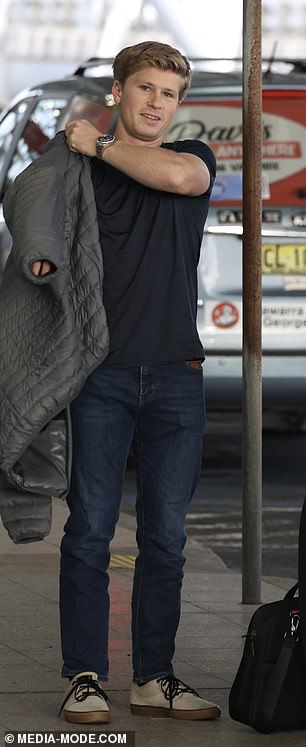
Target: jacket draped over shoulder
[{"x": 53, "y": 332}]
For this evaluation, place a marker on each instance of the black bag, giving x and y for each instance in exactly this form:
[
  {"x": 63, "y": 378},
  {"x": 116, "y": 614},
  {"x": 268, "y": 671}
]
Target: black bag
[{"x": 269, "y": 690}]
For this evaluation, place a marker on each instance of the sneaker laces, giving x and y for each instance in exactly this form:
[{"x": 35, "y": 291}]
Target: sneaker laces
[
  {"x": 82, "y": 688},
  {"x": 171, "y": 687}
]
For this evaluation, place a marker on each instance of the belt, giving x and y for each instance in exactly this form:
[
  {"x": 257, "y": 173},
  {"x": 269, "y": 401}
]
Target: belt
[{"x": 195, "y": 363}]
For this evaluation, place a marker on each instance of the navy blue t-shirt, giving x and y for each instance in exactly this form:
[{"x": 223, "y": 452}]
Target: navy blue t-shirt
[{"x": 151, "y": 243}]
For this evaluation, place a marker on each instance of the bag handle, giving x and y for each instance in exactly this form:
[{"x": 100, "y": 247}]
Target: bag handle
[
  {"x": 277, "y": 679},
  {"x": 279, "y": 672}
]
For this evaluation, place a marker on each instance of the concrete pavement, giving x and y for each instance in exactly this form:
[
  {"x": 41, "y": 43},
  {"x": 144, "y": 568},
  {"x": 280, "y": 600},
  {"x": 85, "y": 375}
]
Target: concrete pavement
[{"x": 208, "y": 651}]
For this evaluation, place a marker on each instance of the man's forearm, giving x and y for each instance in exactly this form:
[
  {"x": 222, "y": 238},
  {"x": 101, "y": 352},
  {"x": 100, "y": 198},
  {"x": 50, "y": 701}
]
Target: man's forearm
[
  {"x": 159, "y": 168},
  {"x": 150, "y": 165}
]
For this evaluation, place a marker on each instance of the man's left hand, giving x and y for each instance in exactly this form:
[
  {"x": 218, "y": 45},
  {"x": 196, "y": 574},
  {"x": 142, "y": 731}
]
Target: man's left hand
[{"x": 81, "y": 137}]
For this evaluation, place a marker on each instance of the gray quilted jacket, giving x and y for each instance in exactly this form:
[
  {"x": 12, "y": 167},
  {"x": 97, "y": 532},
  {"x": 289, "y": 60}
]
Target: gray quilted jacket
[{"x": 53, "y": 332}]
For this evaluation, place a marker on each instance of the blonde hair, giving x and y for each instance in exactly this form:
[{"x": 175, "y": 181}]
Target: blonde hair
[{"x": 152, "y": 54}]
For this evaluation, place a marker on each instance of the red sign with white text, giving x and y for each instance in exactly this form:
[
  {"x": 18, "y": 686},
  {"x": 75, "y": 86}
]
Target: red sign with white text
[{"x": 219, "y": 124}]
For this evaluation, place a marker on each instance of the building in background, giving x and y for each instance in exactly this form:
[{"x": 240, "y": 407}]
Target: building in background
[
  {"x": 45, "y": 39},
  {"x": 284, "y": 28}
]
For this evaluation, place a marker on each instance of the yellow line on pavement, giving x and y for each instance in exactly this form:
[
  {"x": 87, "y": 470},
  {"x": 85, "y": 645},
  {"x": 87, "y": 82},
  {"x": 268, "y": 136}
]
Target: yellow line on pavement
[{"x": 122, "y": 561}]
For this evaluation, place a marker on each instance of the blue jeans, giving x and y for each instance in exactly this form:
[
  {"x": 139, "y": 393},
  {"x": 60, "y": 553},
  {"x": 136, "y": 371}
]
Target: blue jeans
[{"x": 160, "y": 410}]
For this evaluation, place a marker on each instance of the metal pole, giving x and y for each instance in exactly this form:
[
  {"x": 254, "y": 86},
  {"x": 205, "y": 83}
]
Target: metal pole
[{"x": 252, "y": 392}]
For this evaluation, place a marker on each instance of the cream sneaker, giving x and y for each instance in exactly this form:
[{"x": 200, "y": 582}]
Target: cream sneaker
[
  {"x": 171, "y": 698},
  {"x": 85, "y": 701}
]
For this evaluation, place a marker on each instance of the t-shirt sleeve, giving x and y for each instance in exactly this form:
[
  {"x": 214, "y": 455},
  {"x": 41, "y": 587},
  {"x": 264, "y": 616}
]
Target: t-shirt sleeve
[{"x": 200, "y": 149}]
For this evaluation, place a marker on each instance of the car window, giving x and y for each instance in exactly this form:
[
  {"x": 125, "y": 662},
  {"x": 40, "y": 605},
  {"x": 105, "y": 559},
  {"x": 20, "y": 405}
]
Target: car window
[
  {"x": 100, "y": 114},
  {"x": 7, "y": 128},
  {"x": 39, "y": 129}
]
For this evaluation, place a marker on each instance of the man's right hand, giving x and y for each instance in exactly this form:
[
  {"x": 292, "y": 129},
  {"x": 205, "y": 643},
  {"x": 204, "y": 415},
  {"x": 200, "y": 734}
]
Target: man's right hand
[{"x": 42, "y": 267}]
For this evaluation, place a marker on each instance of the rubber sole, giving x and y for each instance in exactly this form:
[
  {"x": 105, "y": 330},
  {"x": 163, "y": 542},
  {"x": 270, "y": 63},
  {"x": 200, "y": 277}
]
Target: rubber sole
[
  {"x": 204, "y": 714},
  {"x": 93, "y": 717}
]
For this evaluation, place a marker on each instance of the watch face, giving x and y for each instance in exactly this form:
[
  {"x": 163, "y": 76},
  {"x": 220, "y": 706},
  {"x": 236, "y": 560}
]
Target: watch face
[
  {"x": 101, "y": 142},
  {"x": 105, "y": 139}
]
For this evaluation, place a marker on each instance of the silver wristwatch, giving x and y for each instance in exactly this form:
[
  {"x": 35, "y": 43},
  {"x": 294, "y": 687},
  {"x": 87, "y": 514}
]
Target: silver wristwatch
[{"x": 101, "y": 142}]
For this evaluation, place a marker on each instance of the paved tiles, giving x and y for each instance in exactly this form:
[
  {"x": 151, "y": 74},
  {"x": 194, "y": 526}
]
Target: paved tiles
[{"x": 209, "y": 642}]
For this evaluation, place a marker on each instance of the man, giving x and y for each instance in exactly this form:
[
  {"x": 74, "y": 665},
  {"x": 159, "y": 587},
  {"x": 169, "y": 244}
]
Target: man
[{"x": 152, "y": 201}]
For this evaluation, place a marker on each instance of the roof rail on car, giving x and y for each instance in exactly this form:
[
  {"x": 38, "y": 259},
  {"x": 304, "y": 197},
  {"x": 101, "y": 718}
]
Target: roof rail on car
[
  {"x": 92, "y": 63},
  {"x": 298, "y": 64}
]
